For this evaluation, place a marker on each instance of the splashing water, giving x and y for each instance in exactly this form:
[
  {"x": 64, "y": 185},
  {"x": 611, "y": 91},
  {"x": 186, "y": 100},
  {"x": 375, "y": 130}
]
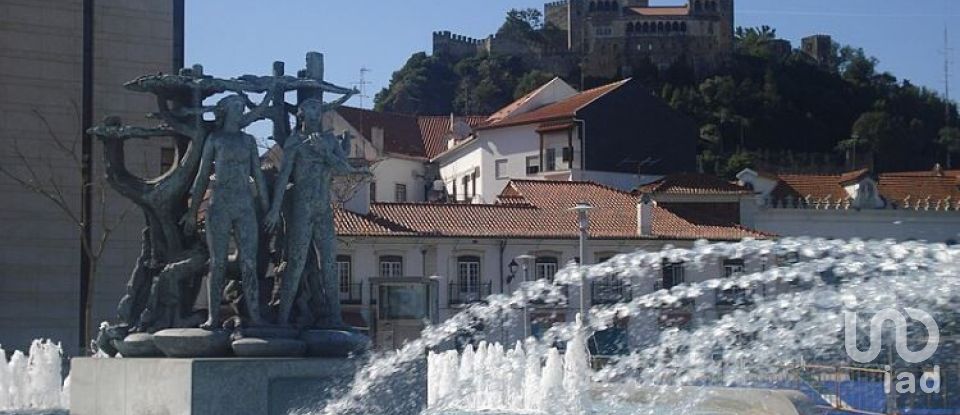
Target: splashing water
[
  {"x": 34, "y": 382},
  {"x": 796, "y": 317},
  {"x": 491, "y": 379}
]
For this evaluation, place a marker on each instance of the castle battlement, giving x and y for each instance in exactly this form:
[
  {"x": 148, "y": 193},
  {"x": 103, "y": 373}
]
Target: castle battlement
[
  {"x": 561, "y": 3},
  {"x": 447, "y": 35}
]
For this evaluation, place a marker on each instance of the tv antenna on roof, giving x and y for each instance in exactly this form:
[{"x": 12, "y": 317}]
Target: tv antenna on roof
[{"x": 362, "y": 84}]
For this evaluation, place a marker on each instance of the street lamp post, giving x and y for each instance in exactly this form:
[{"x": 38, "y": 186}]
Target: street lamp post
[
  {"x": 583, "y": 222},
  {"x": 525, "y": 265}
]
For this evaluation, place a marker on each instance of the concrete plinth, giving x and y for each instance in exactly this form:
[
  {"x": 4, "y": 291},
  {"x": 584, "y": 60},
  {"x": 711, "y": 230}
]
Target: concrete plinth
[{"x": 165, "y": 386}]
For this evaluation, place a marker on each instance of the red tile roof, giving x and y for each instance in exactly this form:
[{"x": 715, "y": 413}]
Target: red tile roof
[
  {"x": 560, "y": 110},
  {"x": 404, "y": 134},
  {"x": 435, "y": 131},
  {"x": 692, "y": 184},
  {"x": 661, "y": 10},
  {"x": 932, "y": 185},
  {"x": 401, "y": 133},
  {"x": 537, "y": 209}
]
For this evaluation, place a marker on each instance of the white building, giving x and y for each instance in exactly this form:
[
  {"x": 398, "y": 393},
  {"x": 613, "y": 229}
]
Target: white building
[
  {"x": 399, "y": 147},
  {"x": 920, "y": 205},
  {"x": 619, "y": 135}
]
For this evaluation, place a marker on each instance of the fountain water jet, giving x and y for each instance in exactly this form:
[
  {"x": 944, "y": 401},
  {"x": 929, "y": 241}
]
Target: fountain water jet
[
  {"x": 799, "y": 319},
  {"x": 33, "y": 382}
]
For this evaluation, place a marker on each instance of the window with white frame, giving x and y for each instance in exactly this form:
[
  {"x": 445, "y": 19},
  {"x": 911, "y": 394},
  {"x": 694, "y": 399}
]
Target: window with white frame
[
  {"x": 391, "y": 266},
  {"x": 344, "y": 269},
  {"x": 400, "y": 193},
  {"x": 500, "y": 167},
  {"x": 550, "y": 160},
  {"x": 468, "y": 273},
  {"x": 546, "y": 267}
]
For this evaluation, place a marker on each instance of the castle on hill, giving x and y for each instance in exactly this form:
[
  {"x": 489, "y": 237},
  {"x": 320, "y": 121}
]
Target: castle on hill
[{"x": 611, "y": 38}]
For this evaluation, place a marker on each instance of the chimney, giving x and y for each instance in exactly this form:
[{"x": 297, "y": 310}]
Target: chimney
[
  {"x": 376, "y": 138},
  {"x": 645, "y": 215}
]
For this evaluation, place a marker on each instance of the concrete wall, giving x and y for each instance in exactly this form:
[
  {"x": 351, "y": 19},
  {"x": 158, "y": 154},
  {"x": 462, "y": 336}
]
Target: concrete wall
[
  {"x": 40, "y": 75},
  {"x": 899, "y": 224}
]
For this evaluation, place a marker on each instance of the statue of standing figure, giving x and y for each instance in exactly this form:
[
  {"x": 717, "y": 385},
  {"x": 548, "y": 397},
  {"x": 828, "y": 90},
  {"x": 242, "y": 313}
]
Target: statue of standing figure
[
  {"x": 232, "y": 210},
  {"x": 311, "y": 157}
]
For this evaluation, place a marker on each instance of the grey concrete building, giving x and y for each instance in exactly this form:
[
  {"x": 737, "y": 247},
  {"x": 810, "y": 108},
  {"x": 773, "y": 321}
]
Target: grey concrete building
[{"x": 62, "y": 66}]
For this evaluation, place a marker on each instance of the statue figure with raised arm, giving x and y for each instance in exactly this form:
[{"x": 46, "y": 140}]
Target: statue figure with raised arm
[
  {"x": 232, "y": 156},
  {"x": 311, "y": 158}
]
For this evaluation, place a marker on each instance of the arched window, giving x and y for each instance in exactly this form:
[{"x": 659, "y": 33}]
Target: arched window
[
  {"x": 676, "y": 26},
  {"x": 713, "y": 6},
  {"x": 614, "y": 6},
  {"x": 646, "y": 27},
  {"x": 593, "y": 6},
  {"x": 659, "y": 26},
  {"x": 546, "y": 267},
  {"x": 683, "y": 27},
  {"x": 630, "y": 27},
  {"x": 666, "y": 27},
  {"x": 698, "y": 5}
]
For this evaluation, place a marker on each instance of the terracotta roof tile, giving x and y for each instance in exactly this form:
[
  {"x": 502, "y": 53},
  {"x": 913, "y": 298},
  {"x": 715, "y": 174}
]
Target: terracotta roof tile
[
  {"x": 435, "y": 131},
  {"x": 566, "y": 108},
  {"x": 401, "y": 132},
  {"x": 932, "y": 185},
  {"x": 692, "y": 184},
  {"x": 537, "y": 209}
]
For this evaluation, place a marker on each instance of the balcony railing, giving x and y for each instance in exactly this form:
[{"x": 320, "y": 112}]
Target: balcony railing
[
  {"x": 604, "y": 292},
  {"x": 351, "y": 293},
  {"x": 464, "y": 294}
]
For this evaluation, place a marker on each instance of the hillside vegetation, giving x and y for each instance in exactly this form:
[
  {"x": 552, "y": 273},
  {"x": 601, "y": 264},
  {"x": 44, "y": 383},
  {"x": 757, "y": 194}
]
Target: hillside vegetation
[{"x": 761, "y": 109}]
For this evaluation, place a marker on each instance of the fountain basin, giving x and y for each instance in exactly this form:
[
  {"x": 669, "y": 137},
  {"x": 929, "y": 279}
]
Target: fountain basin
[
  {"x": 226, "y": 386},
  {"x": 616, "y": 399}
]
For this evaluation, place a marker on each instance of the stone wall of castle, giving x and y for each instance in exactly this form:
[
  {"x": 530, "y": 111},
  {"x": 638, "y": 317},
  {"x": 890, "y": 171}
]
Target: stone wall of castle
[{"x": 611, "y": 38}]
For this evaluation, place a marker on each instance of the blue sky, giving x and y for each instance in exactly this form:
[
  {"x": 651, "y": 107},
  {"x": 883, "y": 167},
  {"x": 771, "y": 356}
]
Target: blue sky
[{"x": 233, "y": 37}]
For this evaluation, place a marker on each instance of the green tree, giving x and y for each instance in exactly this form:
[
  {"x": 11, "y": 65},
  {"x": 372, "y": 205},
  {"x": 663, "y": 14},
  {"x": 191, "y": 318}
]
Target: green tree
[
  {"x": 870, "y": 134},
  {"x": 754, "y": 41},
  {"x": 522, "y": 24},
  {"x": 855, "y": 66},
  {"x": 425, "y": 85},
  {"x": 949, "y": 138}
]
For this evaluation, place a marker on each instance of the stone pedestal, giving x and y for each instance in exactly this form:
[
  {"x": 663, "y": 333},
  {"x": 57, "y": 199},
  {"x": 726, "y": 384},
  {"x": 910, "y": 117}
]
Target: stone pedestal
[{"x": 227, "y": 386}]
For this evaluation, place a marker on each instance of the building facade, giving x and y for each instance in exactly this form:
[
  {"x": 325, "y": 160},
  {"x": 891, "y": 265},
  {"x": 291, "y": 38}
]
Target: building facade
[
  {"x": 62, "y": 69},
  {"x": 619, "y": 135},
  {"x": 464, "y": 251},
  {"x": 919, "y": 205}
]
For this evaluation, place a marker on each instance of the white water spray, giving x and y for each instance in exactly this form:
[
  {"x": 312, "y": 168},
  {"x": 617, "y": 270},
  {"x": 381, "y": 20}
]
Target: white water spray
[
  {"x": 515, "y": 380},
  {"x": 34, "y": 382}
]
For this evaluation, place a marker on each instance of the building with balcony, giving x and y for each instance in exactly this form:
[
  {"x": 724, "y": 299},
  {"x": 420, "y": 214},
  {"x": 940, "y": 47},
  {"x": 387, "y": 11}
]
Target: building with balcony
[{"x": 619, "y": 135}]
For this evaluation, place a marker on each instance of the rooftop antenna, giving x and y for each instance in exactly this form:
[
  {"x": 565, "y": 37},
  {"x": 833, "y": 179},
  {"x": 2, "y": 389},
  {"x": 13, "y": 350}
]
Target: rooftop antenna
[{"x": 362, "y": 84}]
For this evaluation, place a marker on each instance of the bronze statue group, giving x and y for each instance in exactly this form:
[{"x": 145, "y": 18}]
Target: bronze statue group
[{"x": 215, "y": 215}]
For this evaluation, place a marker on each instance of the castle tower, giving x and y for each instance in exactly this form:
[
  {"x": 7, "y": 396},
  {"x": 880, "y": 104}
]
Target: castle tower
[
  {"x": 576, "y": 16},
  {"x": 725, "y": 33}
]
